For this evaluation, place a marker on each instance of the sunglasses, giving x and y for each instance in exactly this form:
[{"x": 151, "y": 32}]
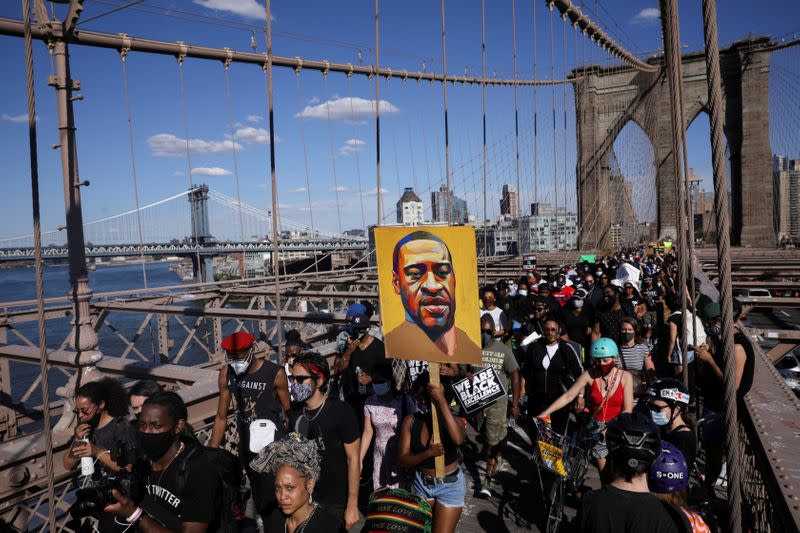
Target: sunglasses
[
  {"x": 84, "y": 411},
  {"x": 299, "y": 379}
]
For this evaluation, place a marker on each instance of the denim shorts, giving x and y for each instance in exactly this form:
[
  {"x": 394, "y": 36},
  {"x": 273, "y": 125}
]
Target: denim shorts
[{"x": 449, "y": 494}]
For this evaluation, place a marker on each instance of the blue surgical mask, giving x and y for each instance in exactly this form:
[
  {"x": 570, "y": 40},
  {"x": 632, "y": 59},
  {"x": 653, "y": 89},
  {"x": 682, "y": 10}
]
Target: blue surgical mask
[
  {"x": 381, "y": 389},
  {"x": 659, "y": 418}
]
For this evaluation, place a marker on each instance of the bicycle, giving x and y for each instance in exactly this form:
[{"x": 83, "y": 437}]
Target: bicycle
[{"x": 563, "y": 457}]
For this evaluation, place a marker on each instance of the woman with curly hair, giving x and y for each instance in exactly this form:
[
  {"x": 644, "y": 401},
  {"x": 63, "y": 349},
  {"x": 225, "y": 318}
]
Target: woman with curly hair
[
  {"x": 296, "y": 463},
  {"x": 101, "y": 410}
]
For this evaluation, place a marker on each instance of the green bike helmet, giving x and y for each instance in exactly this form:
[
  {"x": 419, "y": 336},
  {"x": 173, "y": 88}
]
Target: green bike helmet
[{"x": 604, "y": 347}]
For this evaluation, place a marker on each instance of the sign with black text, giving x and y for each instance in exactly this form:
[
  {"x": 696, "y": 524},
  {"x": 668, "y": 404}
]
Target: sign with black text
[{"x": 483, "y": 389}]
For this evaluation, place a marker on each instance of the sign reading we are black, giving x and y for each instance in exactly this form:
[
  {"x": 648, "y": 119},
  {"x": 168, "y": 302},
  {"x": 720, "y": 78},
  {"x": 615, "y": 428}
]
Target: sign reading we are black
[{"x": 483, "y": 389}]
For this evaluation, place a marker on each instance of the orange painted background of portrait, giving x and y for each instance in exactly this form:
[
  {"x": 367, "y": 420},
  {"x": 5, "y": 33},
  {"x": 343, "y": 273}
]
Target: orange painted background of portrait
[{"x": 460, "y": 241}]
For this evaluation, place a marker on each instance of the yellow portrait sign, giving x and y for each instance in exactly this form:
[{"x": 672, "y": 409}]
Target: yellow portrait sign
[{"x": 428, "y": 290}]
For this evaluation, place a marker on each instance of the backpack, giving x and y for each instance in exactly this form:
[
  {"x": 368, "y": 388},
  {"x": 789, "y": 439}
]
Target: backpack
[{"x": 229, "y": 471}]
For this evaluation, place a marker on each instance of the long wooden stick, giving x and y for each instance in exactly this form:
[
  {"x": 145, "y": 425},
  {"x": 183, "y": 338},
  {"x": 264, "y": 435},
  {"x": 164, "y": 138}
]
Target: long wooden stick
[{"x": 433, "y": 369}]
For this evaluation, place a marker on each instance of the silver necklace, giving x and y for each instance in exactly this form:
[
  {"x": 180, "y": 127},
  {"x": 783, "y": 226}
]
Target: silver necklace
[
  {"x": 301, "y": 527},
  {"x": 319, "y": 411}
]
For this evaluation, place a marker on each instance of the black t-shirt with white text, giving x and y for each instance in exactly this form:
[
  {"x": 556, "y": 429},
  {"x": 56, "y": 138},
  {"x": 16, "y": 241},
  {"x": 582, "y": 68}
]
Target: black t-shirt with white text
[
  {"x": 613, "y": 510},
  {"x": 198, "y": 500},
  {"x": 332, "y": 425}
]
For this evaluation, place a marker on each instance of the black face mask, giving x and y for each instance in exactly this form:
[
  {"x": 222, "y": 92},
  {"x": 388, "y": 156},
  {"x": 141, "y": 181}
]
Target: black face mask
[
  {"x": 95, "y": 420},
  {"x": 155, "y": 445}
]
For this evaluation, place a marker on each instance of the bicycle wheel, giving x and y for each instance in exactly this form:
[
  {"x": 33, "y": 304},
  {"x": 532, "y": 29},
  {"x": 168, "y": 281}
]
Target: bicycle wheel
[{"x": 556, "y": 511}]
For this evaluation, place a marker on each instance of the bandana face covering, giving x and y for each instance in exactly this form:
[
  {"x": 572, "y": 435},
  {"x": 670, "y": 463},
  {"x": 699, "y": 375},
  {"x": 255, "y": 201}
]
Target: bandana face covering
[{"x": 605, "y": 368}]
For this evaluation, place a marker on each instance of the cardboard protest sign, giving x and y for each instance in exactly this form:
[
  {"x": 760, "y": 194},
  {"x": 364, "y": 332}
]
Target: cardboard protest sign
[
  {"x": 483, "y": 389},
  {"x": 428, "y": 291}
]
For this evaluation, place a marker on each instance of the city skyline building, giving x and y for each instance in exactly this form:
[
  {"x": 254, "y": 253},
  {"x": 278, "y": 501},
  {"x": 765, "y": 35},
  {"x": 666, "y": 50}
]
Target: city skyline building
[
  {"x": 410, "y": 210},
  {"x": 509, "y": 202},
  {"x": 458, "y": 207}
]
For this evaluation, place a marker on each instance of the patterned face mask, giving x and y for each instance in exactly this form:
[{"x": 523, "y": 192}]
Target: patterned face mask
[{"x": 301, "y": 391}]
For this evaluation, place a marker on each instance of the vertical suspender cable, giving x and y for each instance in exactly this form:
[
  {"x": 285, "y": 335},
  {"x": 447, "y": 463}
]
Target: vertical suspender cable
[
  {"x": 305, "y": 166},
  {"x": 333, "y": 155},
  {"x": 124, "y": 56},
  {"x": 564, "y": 138},
  {"x": 229, "y": 101},
  {"x": 37, "y": 239},
  {"x": 274, "y": 183},
  {"x": 446, "y": 128},
  {"x": 669, "y": 21},
  {"x": 723, "y": 259},
  {"x": 355, "y": 151},
  {"x": 535, "y": 119},
  {"x": 189, "y": 170},
  {"x": 516, "y": 131},
  {"x": 483, "y": 98},
  {"x": 553, "y": 110},
  {"x": 377, "y": 115}
]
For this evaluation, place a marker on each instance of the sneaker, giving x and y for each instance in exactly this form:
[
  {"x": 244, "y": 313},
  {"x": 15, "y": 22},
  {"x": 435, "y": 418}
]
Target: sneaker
[{"x": 486, "y": 491}]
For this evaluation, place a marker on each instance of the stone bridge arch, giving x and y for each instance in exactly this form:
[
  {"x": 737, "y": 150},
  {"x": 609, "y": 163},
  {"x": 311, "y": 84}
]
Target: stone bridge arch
[{"x": 607, "y": 98}]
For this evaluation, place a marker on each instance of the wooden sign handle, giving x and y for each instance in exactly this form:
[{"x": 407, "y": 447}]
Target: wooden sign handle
[{"x": 433, "y": 370}]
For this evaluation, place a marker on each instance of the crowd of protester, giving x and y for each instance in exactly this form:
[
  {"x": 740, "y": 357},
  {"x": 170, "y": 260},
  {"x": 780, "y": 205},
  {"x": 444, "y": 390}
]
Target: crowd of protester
[{"x": 592, "y": 349}]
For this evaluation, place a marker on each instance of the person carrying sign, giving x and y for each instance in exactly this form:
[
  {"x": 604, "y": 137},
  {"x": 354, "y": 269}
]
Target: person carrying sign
[{"x": 491, "y": 420}]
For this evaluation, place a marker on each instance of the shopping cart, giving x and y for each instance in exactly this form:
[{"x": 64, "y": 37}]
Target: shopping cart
[{"x": 566, "y": 464}]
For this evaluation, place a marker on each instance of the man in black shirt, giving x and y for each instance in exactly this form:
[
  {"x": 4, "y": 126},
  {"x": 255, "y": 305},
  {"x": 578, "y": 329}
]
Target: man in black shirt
[
  {"x": 608, "y": 318},
  {"x": 182, "y": 492},
  {"x": 333, "y": 425},
  {"x": 626, "y": 503},
  {"x": 576, "y": 324},
  {"x": 261, "y": 389},
  {"x": 550, "y": 366},
  {"x": 363, "y": 353}
]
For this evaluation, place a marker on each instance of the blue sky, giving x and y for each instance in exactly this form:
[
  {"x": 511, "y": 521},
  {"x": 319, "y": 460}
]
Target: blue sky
[{"x": 412, "y": 126}]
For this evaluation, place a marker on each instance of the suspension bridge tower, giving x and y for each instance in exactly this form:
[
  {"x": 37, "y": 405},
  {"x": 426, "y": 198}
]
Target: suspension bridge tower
[{"x": 202, "y": 265}]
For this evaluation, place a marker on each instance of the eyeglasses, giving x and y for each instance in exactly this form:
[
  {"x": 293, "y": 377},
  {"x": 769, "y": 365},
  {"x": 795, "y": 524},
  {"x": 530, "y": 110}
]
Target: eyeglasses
[{"x": 299, "y": 379}]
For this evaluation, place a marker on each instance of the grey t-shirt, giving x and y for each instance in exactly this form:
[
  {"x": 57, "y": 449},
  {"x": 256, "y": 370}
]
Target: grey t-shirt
[{"x": 500, "y": 357}]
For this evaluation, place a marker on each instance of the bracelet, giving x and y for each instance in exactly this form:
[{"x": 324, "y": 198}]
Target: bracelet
[{"x": 137, "y": 514}]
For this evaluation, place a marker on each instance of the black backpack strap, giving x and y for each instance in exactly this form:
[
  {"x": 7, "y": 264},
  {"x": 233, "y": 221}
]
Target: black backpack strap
[{"x": 183, "y": 466}]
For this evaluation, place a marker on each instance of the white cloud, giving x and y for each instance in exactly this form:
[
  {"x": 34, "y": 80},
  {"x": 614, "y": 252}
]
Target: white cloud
[
  {"x": 314, "y": 100},
  {"x": 16, "y": 118},
  {"x": 374, "y": 192},
  {"x": 350, "y": 146},
  {"x": 346, "y": 109},
  {"x": 169, "y": 145},
  {"x": 646, "y": 15},
  {"x": 297, "y": 190},
  {"x": 250, "y": 135},
  {"x": 178, "y": 173},
  {"x": 244, "y": 8},
  {"x": 340, "y": 188},
  {"x": 211, "y": 171},
  {"x": 254, "y": 118}
]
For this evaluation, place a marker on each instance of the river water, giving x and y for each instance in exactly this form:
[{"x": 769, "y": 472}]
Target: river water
[{"x": 20, "y": 284}]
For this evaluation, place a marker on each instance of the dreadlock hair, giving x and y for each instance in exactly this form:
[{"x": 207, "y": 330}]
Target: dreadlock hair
[
  {"x": 317, "y": 366},
  {"x": 109, "y": 391}
]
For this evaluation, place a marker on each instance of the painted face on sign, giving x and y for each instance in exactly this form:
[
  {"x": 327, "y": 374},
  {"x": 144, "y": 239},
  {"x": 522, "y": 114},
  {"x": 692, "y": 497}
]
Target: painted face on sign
[{"x": 425, "y": 280}]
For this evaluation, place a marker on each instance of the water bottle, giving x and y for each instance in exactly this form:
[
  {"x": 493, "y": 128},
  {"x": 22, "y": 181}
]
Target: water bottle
[
  {"x": 87, "y": 463},
  {"x": 362, "y": 389}
]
